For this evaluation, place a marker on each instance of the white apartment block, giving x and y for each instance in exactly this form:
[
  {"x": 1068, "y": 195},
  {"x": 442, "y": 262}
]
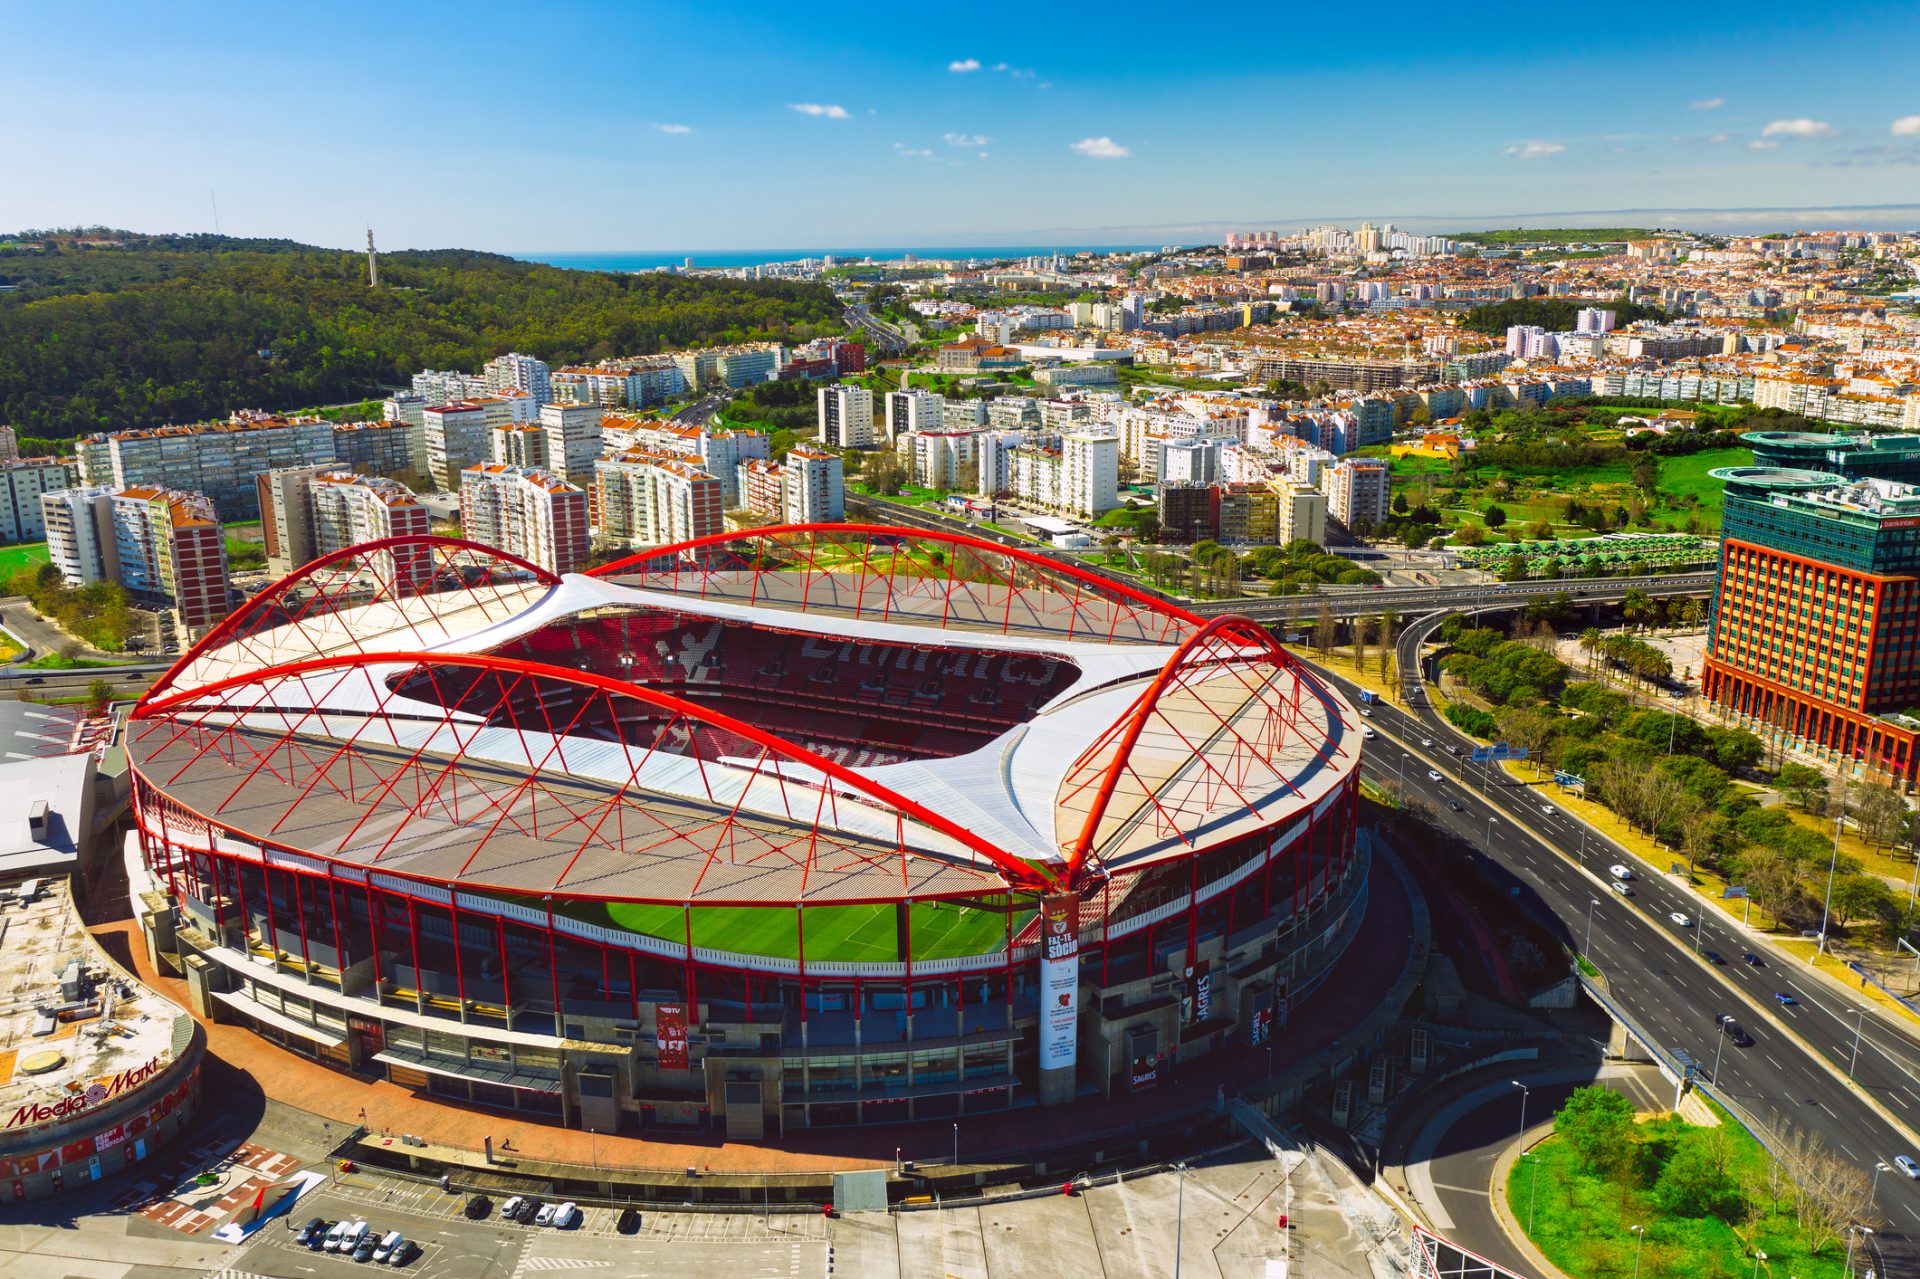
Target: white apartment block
[
  {"x": 963, "y": 415},
  {"x": 9, "y": 445},
  {"x": 653, "y": 499},
  {"x": 1090, "y": 473},
  {"x": 942, "y": 459},
  {"x": 219, "y": 459},
  {"x": 1033, "y": 475},
  {"x": 573, "y": 439},
  {"x": 815, "y": 486},
  {"x": 516, "y": 372},
  {"x": 1302, "y": 516},
  {"x": 532, "y": 514},
  {"x": 722, "y": 452},
  {"x": 444, "y": 387},
  {"x": 1357, "y": 491},
  {"x": 22, "y": 483},
  {"x": 845, "y": 417},
  {"x": 79, "y": 526},
  {"x": 458, "y": 434},
  {"x": 763, "y": 488},
  {"x": 910, "y": 411},
  {"x": 995, "y": 449}
]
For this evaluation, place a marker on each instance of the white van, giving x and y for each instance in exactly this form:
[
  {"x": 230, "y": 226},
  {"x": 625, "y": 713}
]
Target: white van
[
  {"x": 335, "y": 1235},
  {"x": 1619, "y": 871},
  {"x": 391, "y": 1240},
  {"x": 350, "y": 1238}
]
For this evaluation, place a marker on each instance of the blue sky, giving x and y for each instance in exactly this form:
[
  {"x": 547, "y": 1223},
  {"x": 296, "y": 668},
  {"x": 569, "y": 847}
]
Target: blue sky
[{"x": 582, "y": 126}]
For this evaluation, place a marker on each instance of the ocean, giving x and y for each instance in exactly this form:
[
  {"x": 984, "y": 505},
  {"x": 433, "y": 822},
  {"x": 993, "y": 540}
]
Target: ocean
[{"x": 648, "y": 261}]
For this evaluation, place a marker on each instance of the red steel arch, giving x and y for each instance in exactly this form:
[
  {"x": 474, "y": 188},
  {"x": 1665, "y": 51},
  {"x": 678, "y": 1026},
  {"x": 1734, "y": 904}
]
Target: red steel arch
[
  {"x": 1241, "y": 639},
  {"x": 1016, "y": 872},
  {"x": 1117, "y": 592},
  {"x": 230, "y": 626}
]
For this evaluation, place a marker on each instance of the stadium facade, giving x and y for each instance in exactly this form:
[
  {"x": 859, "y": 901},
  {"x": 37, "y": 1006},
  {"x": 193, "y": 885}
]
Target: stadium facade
[{"x": 802, "y": 827}]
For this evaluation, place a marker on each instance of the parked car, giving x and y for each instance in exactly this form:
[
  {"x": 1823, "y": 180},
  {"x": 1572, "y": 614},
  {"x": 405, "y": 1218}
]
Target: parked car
[
  {"x": 1679, "y": 917},
  {"x": 392, "y": 1239},
  {"x": 1784, "y": 999},
  {"x": 368, "y": 1245},
  {"x": 629, "y": 1223},
  {"x": 317, "y": 1242},
  {"x": 406, "y": 1252},
  {"x": 1619, "y": 871},
  {"x": 335, "y": 1233},
  {"x": 529, "y": 1210},
  {"x": 478, "y": 1208},
  {"x": 545, "y": 1216},
  {"x": 315, "y": 1226},
  {"x": 350, "y": 1237},
  {"x": 566, "y": 1216},
  {"x": 511, "y": 1208}
]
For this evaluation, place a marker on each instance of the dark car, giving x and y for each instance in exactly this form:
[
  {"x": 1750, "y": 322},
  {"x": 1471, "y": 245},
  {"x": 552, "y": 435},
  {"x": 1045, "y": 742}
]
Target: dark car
[
  {"x": 1713, "y": 957},
  {"x": 1785, "y": 1000},
  {"x": 1738, "y": 1034},
  {"x": 1454, "y": 804},
  {"x": 529, "y": 1209},
  {"x": 314, "y": 1226},
  {"x": 368, "y": 1244},
  {"x": 1753, "y": 960},
  {"x": 479, "y": 1208},
  {"x": 629, "y": 1223},
  {"x": 318, "y": 1239},
  {"x": 405, "y": 1253}
]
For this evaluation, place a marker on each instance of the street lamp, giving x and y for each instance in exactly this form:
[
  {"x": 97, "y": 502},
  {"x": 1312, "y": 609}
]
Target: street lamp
[
  {"x": 956, "y": 1145},
  {"x": 1833, "y": 863},
  {"x": 1587, "y": 948},
  {"x": 1859, "y": 1018},
  {"x": 1879, "y": 1167},
  {"x": 1759, "y": 1255},
  {"x": 1720, "y": 1043},
  {"x": 1525, "y": 1092},
  {"x": 1180, "y": 1215},
  {"x": 1853, "y": 1237},
  {"x": 1639, "y": 1243},
  {"x": 1488, "y": 843}
]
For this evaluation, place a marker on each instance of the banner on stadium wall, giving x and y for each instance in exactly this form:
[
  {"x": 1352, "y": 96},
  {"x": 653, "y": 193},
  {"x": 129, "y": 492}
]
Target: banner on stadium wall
[
  {"x": 1059, "y": 981},
  {"x": 670, "y": 1035}
]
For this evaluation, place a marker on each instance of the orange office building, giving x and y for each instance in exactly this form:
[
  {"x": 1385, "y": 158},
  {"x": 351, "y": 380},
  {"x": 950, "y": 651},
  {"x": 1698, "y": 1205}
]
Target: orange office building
[{"x": 1816, "y": 621}]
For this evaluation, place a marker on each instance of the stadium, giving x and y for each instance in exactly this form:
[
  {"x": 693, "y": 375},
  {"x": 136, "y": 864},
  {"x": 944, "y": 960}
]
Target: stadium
[{"x": 798, "y": 827}]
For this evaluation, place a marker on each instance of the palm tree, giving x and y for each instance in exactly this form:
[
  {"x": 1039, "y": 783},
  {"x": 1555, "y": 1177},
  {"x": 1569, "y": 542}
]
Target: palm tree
[{"x": 1590, "y": 641}]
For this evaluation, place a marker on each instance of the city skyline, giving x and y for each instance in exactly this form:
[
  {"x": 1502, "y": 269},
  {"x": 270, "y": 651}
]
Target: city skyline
[{"x": 726, "y": 127}]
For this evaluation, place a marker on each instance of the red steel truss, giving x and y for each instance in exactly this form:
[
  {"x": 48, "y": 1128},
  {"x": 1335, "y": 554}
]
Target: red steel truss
[
  {"x": 338, "y": 728},
  {"x": 1236, "y": 762},
  {"x": 926, "y": 580},
  {"x": 391, "y": 570}
]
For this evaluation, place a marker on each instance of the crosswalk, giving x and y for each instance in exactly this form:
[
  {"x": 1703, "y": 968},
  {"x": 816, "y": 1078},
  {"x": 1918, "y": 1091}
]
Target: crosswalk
[
  {"x": 231, "y": 1273},
  {"x": 529, "y": 1265}
]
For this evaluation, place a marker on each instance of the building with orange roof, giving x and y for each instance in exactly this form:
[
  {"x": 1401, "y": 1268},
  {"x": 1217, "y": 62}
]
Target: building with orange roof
[
  {"x": 529, "y": 513},
  {"x": 167, "y": 548}
]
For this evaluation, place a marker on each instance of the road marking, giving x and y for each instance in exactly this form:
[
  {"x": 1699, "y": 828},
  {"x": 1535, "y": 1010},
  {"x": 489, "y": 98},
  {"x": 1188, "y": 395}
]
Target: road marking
[
  {"x": 1776, "y": 1065},
  {"x": 1849, "y": 1153}
]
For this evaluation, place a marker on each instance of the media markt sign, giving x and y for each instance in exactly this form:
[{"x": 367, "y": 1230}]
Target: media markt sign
[
  {"x": 1059, "y": 981},
  {"x": 100, "y": 1090}
]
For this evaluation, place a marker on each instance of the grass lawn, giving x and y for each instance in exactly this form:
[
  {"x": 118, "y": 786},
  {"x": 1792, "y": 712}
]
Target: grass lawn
[
  {"x": 1683, "y": 476},
  {"x": 1581, "y": 1218},
  {"x": 25, "y": 555},
  {"x": 843, "y": 934},
  {"x": 55, "y": 662}
]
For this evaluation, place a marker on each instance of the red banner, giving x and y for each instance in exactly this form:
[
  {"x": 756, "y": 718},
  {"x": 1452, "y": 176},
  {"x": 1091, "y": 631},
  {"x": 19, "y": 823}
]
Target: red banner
[
  {"x": 76, "y": 1152},
  {"x": 670, "y": 1035}
]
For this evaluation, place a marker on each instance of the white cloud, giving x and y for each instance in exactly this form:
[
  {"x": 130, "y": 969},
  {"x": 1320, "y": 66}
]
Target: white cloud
[
  {"x": 1534, "y": 149},
  {"x": 985, "y": 154},
  {"x": 999, "y": 66},
  {"x": 964, "y": 65},
  {"x": 1101, "y": 148},
  {"x": 1706, "y": 104},
  {"x": 1907, "y": 126},
  {"x": 1718, "y": 138},
  {"x": 674, "y": 128},
  {"x": 828, "y": 110},
  {"x": 1760, "y": 145},
  {"x": 967, "y": 139},
  {"x": 1800, "y": 128}
]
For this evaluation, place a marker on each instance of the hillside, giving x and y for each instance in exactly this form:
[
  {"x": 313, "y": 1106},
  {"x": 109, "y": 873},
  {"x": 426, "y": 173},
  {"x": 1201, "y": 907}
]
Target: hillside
[
  {"x": 108, "y": 329},
  {"x": 1555, "y": 235}
]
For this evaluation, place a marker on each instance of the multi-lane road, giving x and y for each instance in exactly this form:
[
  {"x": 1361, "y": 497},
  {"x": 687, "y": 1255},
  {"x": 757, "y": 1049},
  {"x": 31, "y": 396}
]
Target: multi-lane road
[{"x": 1795, "y": 1071}]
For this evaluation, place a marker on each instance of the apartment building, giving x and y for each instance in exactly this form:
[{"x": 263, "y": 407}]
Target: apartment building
[
  {"x": 520, "y": 444},
  {"x": 721, "y": 454},
  {"x": 653, "y": 499},
  {"x": 629, "y": 384},
  {"x": 1090, "y": 473},
  {"x": 219, "y": 459},
  {"x": 942, "y": 459},
  {"x": 392, "y": 447},
  {"x": 529, "y": 513},
  {"x": 9, "y": 444},
  {"x": 437, "y": 386},
  {"x": 573, "y": 439},
  {"x": 729, "y": 366},
  {"x": 167, "y": 548},
  {"x": 1357, "y": 491},
  {"x": 458, "y": 434},
  {"x": 815, "y": 485},
  {"x": 516, "y": 372},
  {"x": 79, "y": 525},
  {"x": 762, "y": 486},
  {"x": 845, "y": 417},
  {"x": 308, "y": 512},
  {"x": 909, "y": 411},
  {"x": 1301, "y": 515},
  {"x": 23, "y": 481}
]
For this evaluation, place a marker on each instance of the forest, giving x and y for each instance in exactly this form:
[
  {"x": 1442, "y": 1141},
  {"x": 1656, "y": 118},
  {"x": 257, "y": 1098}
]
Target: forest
[
  {"x": 145, "y": 330},
  {"x": 1556, "y": 315}
]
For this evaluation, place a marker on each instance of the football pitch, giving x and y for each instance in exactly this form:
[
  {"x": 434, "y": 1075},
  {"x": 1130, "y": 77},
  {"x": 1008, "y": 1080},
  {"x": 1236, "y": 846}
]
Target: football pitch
[{"x": 836, "y": 934}]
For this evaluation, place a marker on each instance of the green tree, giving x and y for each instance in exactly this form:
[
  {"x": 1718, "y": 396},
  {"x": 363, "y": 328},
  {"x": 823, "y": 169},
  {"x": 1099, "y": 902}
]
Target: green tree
[
  {"x": 1802, "y": 785},
  {"x": 99, "y": 692},
  {"x": 1697, "y": 1179},
  {"x": 1495, "y": 516},
  {"x": 1595, "y": 1122}
]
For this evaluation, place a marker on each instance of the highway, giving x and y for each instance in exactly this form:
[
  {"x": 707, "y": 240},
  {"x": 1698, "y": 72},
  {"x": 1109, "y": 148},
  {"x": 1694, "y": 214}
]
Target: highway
[{"x": 1652, "y": 969}]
